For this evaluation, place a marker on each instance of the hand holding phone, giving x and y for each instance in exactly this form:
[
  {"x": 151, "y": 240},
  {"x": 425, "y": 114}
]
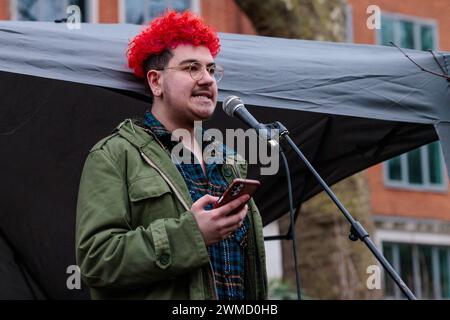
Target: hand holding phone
[{"x": 237, "y": 188}]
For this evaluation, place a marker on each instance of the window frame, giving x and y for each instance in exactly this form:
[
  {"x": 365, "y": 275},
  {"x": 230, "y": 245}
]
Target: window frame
[
  {"x": 194, "y": 7},
  {"x": 90, "y": 5},
  {"x": 416, "y": 267},
  {"x": 417, "y": 23},
  {"x": 410, "y": 237},
  {"x": 426, "y": 185}
]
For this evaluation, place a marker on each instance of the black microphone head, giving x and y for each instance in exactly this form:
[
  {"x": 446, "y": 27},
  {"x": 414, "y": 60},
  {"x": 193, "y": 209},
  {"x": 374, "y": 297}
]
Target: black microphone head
[{"x": 230, "y": 104}]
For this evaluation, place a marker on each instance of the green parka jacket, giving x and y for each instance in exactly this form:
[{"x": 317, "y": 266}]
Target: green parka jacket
[{"x": 136, "y": 237}]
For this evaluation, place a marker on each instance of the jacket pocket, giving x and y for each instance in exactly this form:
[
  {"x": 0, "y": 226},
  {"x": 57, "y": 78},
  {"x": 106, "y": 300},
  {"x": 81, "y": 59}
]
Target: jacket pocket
[
  {"x": 148, "y": 187},
  {"x": 151, "y": 198}
]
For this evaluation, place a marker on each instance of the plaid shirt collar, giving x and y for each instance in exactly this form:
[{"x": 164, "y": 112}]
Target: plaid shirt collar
[
  {"x": 166, "y": 137},
  {"x": 169, "y": 141}
]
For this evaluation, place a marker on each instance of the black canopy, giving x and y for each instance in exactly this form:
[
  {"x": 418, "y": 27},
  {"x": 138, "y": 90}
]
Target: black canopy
[{"x": 347, "y": 107}]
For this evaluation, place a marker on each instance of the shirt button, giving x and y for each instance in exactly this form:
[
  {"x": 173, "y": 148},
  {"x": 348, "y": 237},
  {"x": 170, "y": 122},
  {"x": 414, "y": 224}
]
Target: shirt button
[
  {"x": 227, "y": 172},
  {"x": 164, "y": 259}
]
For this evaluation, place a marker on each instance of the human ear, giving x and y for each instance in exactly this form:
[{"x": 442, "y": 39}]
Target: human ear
[{"x": 154, "y": 82}]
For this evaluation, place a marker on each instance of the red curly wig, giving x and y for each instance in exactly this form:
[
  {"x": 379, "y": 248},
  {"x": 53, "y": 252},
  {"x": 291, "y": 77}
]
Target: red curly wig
[{"x": 167, "y": 32}]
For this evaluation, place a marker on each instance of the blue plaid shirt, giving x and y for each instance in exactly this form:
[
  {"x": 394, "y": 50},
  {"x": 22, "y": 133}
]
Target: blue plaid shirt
[{"x": 227, "y": 256}]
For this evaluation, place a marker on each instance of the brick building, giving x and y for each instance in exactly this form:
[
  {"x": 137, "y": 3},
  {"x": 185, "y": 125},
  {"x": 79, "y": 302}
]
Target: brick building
[
  {"x": 230, "y": 19},
  {"x": 409, "y": 194}
]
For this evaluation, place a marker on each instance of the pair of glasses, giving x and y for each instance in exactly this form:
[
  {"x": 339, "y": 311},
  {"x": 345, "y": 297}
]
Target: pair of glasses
[{"x": 196, "y": 70}]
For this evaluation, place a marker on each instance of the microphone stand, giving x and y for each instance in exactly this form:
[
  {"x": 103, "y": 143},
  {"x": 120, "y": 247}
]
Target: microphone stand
[{"x": 357, "y": 231}]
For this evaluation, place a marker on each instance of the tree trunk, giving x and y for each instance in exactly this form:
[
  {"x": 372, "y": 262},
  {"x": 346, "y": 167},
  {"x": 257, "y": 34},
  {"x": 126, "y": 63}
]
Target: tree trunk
[
  {"x": 332, "y": 266},
  {"x": 297, "y": 19}
]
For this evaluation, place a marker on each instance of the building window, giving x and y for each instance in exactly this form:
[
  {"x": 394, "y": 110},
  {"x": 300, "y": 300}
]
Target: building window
[
  {"x": 422, "y": 169},
  {"x": 424, "y": 268},
  {"x": 142, "y": 11},
  {"x": 408, "y": 32},
  {"x": 46, "y": 10}
]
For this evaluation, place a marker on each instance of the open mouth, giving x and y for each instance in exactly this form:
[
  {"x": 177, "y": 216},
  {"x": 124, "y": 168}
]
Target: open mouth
[{"x": 203, "y": 96}]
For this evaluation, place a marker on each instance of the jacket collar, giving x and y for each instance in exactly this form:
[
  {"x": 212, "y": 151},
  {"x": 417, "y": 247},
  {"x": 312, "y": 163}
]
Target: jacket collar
[{"x": 135, "y": 132}]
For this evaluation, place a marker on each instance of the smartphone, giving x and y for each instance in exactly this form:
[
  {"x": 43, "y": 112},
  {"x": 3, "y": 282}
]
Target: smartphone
[{"x": 237, "y": 188}]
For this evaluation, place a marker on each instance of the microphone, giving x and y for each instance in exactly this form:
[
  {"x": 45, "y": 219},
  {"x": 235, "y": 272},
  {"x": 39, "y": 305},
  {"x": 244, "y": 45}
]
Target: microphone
[{"x": 234, "y": 107}]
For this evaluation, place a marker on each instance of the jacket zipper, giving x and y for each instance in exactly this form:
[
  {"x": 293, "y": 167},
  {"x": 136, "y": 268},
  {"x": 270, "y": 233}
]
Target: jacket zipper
[{"x": 169, "y": 182}]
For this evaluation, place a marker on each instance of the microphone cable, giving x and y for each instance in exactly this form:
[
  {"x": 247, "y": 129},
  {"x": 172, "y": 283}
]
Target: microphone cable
[{"x": 292, "y": 233}]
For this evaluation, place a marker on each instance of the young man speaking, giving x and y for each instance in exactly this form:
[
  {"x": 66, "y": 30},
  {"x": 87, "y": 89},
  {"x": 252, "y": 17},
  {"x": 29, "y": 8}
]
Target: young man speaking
[{"x": 146, "y": 227}]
